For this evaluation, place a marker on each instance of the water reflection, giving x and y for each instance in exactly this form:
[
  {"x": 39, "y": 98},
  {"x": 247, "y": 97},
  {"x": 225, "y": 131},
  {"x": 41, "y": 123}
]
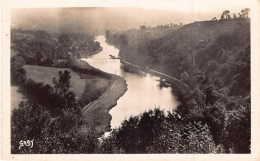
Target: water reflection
[{"x": 145, "y": 91}]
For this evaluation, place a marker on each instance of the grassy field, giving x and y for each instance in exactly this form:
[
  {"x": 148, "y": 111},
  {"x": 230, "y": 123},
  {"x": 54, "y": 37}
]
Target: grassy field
[
  {"x": 94, "y": 84},
  {"x": 46, "y": 74},
  {"x": 89, "y": 87},
  {"x": 93, "y": 90}
]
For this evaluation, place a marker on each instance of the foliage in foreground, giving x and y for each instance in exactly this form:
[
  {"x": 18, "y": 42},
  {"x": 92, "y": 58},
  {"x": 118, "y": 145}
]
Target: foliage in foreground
[
  {"x": 156, "y": 132},
  {"x": 152, "y": 132},
  {"x": 51, "y": 135},
  {"x": 195, "y": 127}
]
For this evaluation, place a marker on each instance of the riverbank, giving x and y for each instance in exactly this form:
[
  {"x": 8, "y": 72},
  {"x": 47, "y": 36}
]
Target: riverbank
[
  {"x": 96, "y": 113},
  {"x": 113, "y": 44},
  {"x": 168, "y": 78},
  {"x": 84, "y": 55}
]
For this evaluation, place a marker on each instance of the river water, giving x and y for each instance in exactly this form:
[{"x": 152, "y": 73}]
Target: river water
[{"x": 144, "y": 90}]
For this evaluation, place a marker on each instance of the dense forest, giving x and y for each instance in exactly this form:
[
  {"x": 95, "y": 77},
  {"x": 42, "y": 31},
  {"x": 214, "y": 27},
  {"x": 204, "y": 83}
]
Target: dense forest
[
  {"x": 37, "y": 47},
  {"x": 211, "y": 57}
]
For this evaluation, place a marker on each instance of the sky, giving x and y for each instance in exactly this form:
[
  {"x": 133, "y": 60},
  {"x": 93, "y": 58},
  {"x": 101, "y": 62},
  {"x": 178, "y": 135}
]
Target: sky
[{"x": 205, "y": 6}]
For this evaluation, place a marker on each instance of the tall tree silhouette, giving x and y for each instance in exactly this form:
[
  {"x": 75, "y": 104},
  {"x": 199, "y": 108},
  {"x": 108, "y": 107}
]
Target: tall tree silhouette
[
  {"x": 225, "y": 14},
  {"x": 62, "y": 88}
]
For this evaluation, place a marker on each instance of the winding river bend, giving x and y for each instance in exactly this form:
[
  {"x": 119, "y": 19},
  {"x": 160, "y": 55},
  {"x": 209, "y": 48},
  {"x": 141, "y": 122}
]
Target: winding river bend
[{"x": 144, "y": 91}]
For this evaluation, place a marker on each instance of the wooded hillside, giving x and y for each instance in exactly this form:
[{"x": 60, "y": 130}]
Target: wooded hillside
[{"x": 213, "y": 59}]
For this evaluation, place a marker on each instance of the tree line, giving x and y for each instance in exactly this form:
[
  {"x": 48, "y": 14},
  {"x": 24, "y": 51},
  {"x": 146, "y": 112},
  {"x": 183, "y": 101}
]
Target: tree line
[{"x": 244, "y": 13}]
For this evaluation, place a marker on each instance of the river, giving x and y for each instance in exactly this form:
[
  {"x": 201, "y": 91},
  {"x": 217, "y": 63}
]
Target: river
[{"x": 144, "y": 90}]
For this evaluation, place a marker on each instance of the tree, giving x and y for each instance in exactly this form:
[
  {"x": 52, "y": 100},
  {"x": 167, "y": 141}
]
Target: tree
[
  {"x": 239, "y": 15},
  {"x": 225, "y": 14},
  {"x": 123, "y": 39},
  {"x": 62, "y": 85},
  {"x": 62, "y": 134},
  {"x": 143, "y": 27},
  {"x": 245, "y": 12},
  {"x": 238, "y": 124},
  {"x": 64, "y": 39},
  {"x": 18, "y": 74},
  {"x": 108, "y": 34},
  {"x": 234, "y": 16},
  {"x": 27, "y": 123},
  {"x": 155, "y": 132},
  {"x": 66, "y": 98},
  {"x": 183, "y": 137}
]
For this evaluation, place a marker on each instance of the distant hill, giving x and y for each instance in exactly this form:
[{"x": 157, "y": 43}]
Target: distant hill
[{"x": 98, "y": 20}]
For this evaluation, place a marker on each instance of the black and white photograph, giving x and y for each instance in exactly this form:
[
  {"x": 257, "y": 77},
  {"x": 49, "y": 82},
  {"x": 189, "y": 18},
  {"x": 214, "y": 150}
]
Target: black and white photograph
[{"x": 173, "y": 77}]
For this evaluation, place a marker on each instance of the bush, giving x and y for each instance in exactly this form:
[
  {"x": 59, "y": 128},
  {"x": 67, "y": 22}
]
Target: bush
[
  {"x": 62, "y": 134},
  {"x": 155, "y": 132}
]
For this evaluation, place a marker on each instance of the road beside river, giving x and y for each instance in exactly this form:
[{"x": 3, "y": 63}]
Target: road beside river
[{"x": 96, "y": 113}]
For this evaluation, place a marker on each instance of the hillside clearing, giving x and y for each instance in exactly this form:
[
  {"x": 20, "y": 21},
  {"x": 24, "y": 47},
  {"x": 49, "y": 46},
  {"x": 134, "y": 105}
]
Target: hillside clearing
[{"x": 46, "y": 74}]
